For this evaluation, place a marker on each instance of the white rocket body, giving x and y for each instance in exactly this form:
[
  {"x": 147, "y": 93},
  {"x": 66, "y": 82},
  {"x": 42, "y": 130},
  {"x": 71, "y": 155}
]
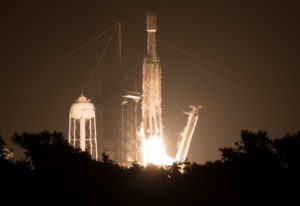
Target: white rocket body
[{"x": 151, "y": 103}]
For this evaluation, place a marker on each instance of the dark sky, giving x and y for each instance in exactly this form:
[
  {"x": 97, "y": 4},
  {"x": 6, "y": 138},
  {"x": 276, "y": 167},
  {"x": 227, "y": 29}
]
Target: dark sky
[{"x": 255, "y": 45}]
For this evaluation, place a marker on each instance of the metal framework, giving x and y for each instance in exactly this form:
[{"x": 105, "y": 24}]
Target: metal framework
[
  {"x": 187, "y": 134},
  {"x": 121, "y": 137}
]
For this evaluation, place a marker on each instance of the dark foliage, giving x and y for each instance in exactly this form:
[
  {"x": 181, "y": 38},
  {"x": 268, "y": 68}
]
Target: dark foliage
[{"x": 257, "y": 171}]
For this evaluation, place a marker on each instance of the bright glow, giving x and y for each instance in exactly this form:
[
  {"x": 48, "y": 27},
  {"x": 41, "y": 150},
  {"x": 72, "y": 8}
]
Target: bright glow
[{"x": 154, "y": 152}]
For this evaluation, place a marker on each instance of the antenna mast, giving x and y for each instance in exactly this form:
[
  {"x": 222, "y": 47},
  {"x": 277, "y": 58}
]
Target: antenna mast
[{"x": 120, "y": 51}]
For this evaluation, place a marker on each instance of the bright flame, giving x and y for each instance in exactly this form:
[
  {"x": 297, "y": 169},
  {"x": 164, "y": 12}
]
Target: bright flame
[{"x": 154, "y": 152}]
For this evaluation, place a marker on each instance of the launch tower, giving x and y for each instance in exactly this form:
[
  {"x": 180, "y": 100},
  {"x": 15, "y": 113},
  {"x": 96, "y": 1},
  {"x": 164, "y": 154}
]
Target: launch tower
[{"x": 119, "y": 111}]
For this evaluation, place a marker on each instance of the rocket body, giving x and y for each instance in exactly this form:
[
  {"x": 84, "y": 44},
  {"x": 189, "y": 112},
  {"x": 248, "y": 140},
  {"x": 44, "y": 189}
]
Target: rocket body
[{"x": 151, "y": 103}]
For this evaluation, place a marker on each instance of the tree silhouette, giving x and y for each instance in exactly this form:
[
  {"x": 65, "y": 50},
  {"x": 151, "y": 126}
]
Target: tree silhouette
[
  {"x": 256, "y": 170},
  {"x": 288, "y": 151}
]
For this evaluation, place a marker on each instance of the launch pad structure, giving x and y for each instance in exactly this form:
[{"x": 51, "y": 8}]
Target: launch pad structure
[
  {"x": 118, "y": 108},
  {"x": 122, "y": 134},
  {"x": 122, "y": 140}
]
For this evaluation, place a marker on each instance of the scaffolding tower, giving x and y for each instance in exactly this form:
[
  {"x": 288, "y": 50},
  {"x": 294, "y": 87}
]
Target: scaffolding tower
[{"x": 119, "y": 110}]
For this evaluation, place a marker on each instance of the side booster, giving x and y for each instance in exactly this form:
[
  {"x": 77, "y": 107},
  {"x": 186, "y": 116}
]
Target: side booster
[{"x": 151, "y": 103}]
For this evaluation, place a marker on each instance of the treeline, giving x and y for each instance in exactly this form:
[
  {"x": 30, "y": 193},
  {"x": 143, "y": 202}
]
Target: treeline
[{"x": 256, "y": 171}]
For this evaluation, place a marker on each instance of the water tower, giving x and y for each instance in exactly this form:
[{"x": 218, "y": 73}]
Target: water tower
[{"x": 82, "y": 126}]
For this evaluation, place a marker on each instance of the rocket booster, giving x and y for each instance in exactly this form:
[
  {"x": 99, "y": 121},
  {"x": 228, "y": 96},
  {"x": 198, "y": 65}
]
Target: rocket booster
[{"x": 151, "y": 103}]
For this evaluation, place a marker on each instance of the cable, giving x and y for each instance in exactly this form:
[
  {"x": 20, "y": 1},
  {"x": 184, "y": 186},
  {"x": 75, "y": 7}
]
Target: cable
[
  {"x": 99, "y": 60},
  {"x": 207, "y": 62},
  {"x": 47, "y": 69},
  {"x": 195, "y": 57}
]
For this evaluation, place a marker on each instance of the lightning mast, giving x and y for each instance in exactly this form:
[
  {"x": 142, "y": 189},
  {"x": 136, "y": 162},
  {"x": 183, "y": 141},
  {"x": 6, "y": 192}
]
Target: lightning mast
[{"x": 119, "y": 106}]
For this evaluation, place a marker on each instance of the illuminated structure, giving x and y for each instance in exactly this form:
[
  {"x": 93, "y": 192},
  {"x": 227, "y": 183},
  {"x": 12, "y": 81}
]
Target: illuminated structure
[
  {"x": 119, "y": 105},
  {"x": 121, "y": 137},
  {"x": 119, "y": 111},
  {"x": 151, "y": 131},
  {"x": 82, "y": 126},
  {"x": 187, "y": 134},
  {"x": 151, "y": 103}
]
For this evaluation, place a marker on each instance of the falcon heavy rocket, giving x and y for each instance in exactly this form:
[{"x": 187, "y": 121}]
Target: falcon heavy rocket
[{"x": 151, "y": 103}]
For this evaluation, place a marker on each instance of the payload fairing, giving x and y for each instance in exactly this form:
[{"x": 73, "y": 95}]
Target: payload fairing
[{"x": 151, "y": 103}]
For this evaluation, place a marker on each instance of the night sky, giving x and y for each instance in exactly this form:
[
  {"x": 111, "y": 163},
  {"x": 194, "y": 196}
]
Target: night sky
[{"x": 249, "y": 78}]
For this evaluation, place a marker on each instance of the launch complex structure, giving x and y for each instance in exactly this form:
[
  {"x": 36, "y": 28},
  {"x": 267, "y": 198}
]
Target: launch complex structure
[{"x": 123, "y": 135}]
